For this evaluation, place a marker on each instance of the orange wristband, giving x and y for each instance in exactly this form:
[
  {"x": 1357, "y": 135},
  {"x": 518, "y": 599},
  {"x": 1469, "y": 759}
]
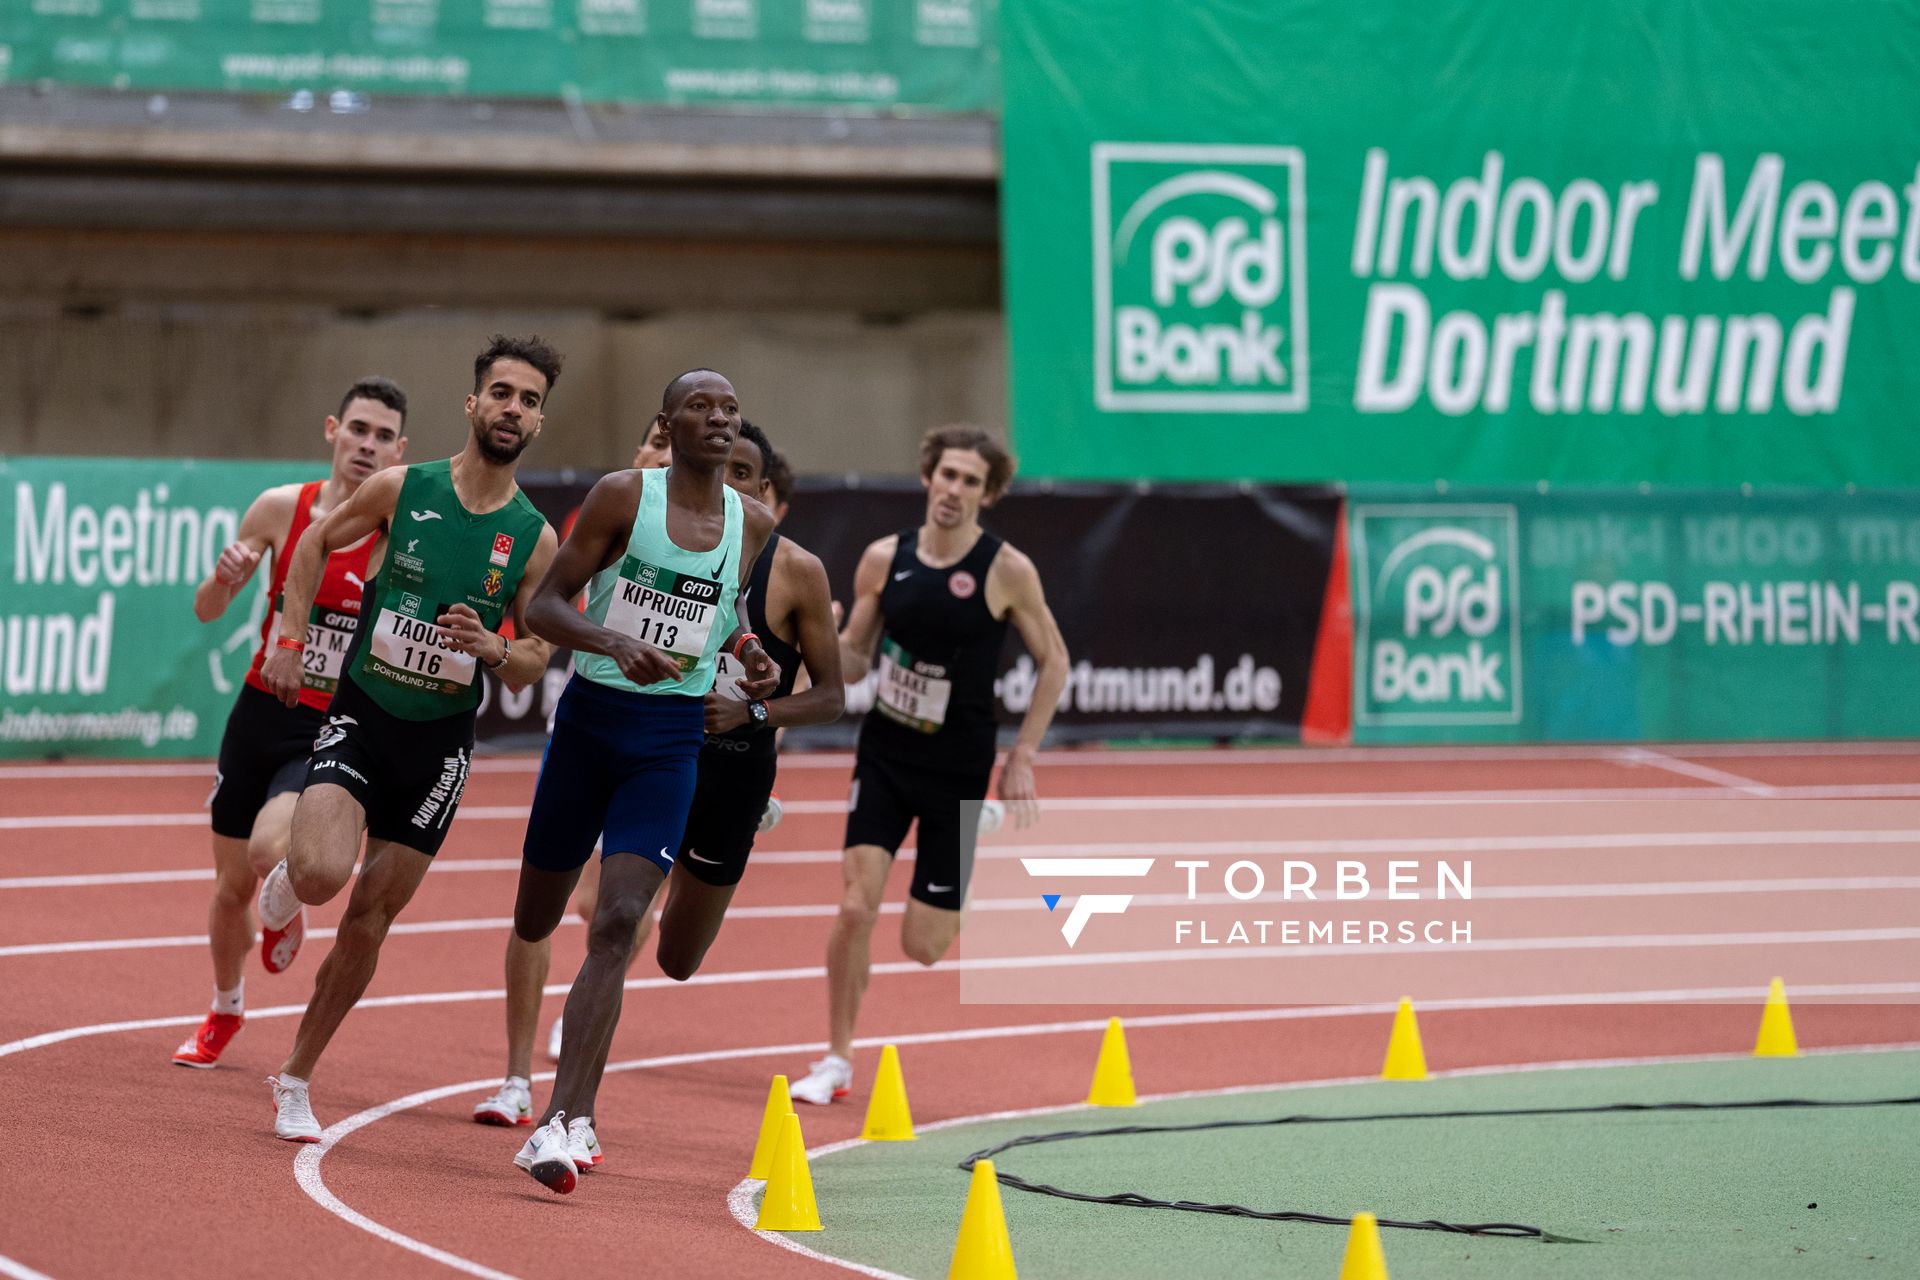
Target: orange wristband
[
  {"x": 298, "y": 646},
  {"x": 741, "y": 643}
]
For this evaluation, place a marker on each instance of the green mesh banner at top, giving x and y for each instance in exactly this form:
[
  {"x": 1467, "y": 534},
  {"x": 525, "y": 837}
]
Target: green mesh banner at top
[
  {"x": 1611, "y": 615},
  {"x": 933, "y": 55},
  {"x": 1476, "y": 240}
]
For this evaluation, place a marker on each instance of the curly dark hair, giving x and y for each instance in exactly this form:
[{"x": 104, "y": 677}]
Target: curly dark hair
[
  {"x": 999, "y": 462},
  {"x": 532, "y": 349}
]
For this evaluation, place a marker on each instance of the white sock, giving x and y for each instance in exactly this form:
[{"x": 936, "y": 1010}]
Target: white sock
[
  {"x": 291, "y": 1082},
  {"x": 278, "y": 905},
  {"x": 234, "y": 1001},
  {"x": 522, "y": 1081}
]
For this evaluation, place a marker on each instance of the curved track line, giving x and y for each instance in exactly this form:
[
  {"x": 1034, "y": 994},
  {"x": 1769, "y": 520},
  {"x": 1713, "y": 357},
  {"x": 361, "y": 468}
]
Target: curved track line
[
  {"x": 307, "y": 1162},
  {"x": 743, "y": 1203},
  {"x": 824, "y": 910}
]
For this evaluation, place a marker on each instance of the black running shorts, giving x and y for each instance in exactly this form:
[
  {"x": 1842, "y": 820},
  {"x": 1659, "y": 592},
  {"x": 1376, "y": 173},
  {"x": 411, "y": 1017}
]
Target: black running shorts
[
  {"x": 728, "y": 800},
  {"x": 262, "y": 754},
  {"x": 889, "y": 796},
  {"x": 407, "y": 774}
]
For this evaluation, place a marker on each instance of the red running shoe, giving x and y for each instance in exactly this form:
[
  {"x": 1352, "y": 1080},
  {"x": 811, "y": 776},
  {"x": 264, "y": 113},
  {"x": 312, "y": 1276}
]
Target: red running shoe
[
  {"x": 278, "y": 947},
  {"x": 203, "y": 1048}
]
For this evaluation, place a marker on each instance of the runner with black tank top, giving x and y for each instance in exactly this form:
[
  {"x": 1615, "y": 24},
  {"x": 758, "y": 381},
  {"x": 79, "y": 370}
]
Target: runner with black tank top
[
  {"x": 787, "y": 604},
  {"x": 662, "y": 556},
  {"x": 460, "y": 550},
  {"x": 931, "y": 608},
  {"x": 263, "y": 754}
]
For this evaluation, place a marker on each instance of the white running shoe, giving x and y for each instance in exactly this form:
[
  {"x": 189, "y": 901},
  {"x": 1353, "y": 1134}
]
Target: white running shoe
[
  {"x": 827, "y": 1079},
  {"x": 292, "y": 1113},
  {"x": 553, "y": 1040},
  {"x": 583, "y": 1145},
  {"x": 512, "y": 1105},
  {"x": 545, "y": 1156},
  {"x": 771, "y": 815}
]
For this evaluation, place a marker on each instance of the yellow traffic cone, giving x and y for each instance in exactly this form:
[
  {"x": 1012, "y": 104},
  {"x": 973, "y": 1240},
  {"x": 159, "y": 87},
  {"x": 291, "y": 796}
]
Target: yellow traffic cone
[
  {"x": 1365, "y": 1260},
  {"x": 779, "y": 1107},
  {"x": 888, "y": 1119},
  {"x": 1113, "y": 1073},
  {"x": 1406, "y": 1060},
  {"x": 788, "y": 1204},
  {"x": 1776, "y": 1026},
  {"x": 984, "y": 1250}
]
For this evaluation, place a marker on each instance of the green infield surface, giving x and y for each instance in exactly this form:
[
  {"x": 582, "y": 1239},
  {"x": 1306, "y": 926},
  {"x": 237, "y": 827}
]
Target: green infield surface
[{"x": 1789, "y": 1191}]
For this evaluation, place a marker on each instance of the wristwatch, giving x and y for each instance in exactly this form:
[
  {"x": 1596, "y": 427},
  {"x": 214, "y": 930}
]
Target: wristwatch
[
  {"x": 506, "y": 651},
  {"x": 757, "y": 712}
]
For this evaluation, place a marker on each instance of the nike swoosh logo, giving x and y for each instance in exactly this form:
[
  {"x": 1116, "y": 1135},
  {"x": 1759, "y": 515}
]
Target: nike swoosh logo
[
  {"x": 712, "y": 862},
  {"x": 939, "y": 888},
  {"x": 664, "y": 854},
  {"x": 426, "y": 515},
  {"x": 904, "y": 573}
]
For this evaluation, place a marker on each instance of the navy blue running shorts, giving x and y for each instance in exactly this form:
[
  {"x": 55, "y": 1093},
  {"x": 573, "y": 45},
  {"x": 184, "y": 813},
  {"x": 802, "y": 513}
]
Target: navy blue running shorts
[{"x": 619, "y": 763}]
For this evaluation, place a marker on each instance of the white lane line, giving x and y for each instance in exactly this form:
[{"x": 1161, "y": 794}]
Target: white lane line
[
  {"x": 1205, "y": 757},
  {"x": 1146, "y": 803},
  {"x": 107, "y": 878},
  {"x": 20, "y": 1270},
  {"x": 899, "y": 967},
  {"x": 1166, "y": 848},
  {"x": 1687, "y": 768},
  {"x": 307, "y": 1162},
  {"x": 826, "y": 910},
  {"x": 743, "y": 1202}
]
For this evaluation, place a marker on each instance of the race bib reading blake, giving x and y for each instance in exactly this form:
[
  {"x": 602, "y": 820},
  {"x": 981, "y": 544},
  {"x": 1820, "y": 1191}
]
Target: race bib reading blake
[
  {"x": 911, "y": 697},
  {"x": 419, "y": 654},
  {"x": 671, "y": 611}
]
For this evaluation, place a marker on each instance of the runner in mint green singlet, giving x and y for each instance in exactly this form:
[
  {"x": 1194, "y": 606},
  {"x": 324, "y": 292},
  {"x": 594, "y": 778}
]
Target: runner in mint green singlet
[
  {"x": 666, "y": 552},
  {"x": 461, "y": 548}
]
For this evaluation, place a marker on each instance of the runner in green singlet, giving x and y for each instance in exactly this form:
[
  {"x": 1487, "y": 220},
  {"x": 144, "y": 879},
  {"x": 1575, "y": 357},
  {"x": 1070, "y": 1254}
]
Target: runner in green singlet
[{"x": 461, "y": 548}]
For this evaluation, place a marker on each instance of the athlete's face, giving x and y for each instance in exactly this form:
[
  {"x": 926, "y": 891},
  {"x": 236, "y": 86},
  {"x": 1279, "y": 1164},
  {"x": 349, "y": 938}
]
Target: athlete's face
[
  {"x": 368, "y": 438},
  {"x": 506, "y": 412},
  {"x": 704, "y": 422},
  {"x": 746, "y": 472},
  {"x": 957, "y": 489},
  {"x": 656, "y": 450}
]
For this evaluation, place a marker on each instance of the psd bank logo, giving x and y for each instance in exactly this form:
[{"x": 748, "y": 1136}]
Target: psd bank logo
[
  {"x": 1438, "y": 615},
  {"x": 1199, "y": 278}
]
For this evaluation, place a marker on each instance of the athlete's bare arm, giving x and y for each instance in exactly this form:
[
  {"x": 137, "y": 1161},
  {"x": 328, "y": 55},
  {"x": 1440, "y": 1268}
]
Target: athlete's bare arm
[
  {"x": 762, "y": 672},
  {"x": 261, "y": 528},
  {"x": 862, "y": 630},
  {"x": 369, "y": 511},
  {"x": 805, "y": 580},
  {"x": 600, "y": 534},
  {"x": 525, "y": 661},
  {"x": 1015, "y": 583}
]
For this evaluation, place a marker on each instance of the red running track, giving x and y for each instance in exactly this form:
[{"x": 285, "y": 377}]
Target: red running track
[{"x": 113, "y": 1162}]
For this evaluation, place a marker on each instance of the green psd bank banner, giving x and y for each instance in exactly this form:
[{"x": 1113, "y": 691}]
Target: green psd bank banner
[
  {"x": 917, "y": 55},
  {"x": 1487, "y": 241},
  {"x": 1611, "y": 615},
  {"x": 100, "y": 654}
]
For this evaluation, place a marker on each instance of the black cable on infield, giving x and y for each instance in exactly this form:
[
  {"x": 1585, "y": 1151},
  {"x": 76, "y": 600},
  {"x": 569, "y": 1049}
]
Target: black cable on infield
[{"x": 1510, "y": 1230}]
